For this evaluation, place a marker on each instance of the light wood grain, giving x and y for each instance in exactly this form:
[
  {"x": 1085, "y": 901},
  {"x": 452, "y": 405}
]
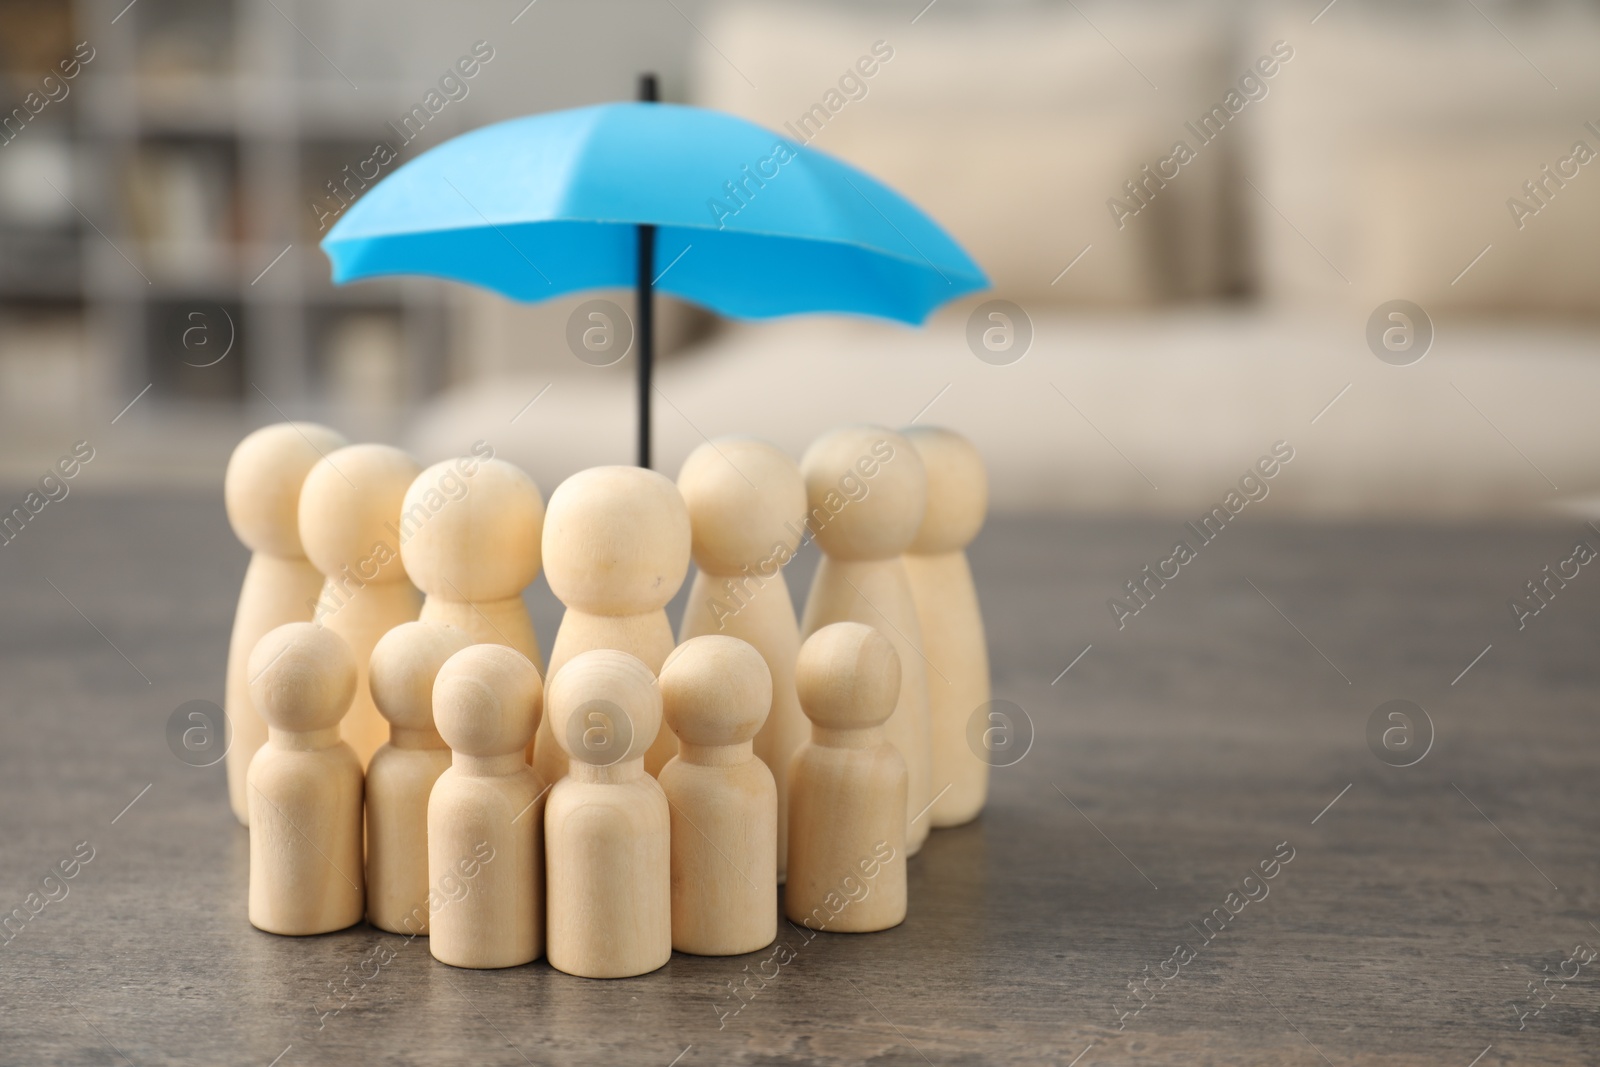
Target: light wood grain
[
  {"x": 867, "y": 491},
  {"x": 747, "y": 503},
  {"x": 470, "y": 533},
  {"x": 349, "y": 522},
  {"x": 401, "y": 673},
  {"x": 261, "y": 491},
  {"x": 616, "y": 550},
  {"x": 950, "y": 620}
]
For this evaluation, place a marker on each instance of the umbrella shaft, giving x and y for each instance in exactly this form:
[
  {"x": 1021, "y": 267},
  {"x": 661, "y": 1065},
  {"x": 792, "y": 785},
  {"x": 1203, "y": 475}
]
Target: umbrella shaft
[{"x": 646, "y": 314}]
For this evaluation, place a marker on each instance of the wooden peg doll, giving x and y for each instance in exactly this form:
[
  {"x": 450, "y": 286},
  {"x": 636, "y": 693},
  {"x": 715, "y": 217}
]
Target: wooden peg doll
[
  {"x": 400, "y": 777},
  {"x": 305, "y": 786},
  {"x": 606, "y": 825},
  {"x": 715, "y": 692},
  {"x": 485, "y": 875},
  {"x": 847, "y": 855}
]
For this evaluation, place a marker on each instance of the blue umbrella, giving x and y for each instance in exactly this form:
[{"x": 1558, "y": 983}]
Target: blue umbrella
[{"x": 748, "y": 223}]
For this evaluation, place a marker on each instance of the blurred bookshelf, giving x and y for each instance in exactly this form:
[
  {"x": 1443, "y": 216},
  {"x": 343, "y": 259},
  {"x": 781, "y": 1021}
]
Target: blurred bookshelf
[{"x": 159, "y": 228}]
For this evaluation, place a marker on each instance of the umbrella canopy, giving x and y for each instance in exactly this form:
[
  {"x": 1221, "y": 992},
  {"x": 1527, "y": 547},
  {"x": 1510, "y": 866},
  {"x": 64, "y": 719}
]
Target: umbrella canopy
[
  {"x": 743, "y": 221},
  {"x": 549, "y": 204}
]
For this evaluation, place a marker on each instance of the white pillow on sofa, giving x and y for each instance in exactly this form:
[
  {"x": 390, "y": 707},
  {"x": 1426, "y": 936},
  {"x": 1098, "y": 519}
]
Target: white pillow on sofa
[
  {"x": 1394, "y": 143},
  {"x": 1011, "y": 128}
]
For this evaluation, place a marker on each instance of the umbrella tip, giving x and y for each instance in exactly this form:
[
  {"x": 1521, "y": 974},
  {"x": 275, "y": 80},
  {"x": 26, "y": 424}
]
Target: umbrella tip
[{"x": 647, "y": 88}]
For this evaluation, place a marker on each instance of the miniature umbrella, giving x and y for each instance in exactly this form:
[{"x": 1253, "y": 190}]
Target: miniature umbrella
[{"x": 741, "y": 220}]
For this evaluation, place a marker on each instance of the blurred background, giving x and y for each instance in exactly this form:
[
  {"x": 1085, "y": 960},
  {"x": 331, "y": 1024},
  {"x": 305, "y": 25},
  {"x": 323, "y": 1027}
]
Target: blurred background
[{"x": 162, "y": 292}]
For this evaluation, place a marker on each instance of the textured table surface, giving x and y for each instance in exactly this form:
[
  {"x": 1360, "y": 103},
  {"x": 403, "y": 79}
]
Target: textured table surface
[{"x": 1212, "y": 732}]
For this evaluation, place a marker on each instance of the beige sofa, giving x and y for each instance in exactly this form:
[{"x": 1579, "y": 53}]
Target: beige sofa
[{"x": 1373, "y": 163}]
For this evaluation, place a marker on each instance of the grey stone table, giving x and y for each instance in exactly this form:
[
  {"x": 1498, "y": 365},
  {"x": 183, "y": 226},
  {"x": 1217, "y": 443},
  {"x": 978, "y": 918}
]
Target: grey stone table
[{"x": 1226, "y": 724}]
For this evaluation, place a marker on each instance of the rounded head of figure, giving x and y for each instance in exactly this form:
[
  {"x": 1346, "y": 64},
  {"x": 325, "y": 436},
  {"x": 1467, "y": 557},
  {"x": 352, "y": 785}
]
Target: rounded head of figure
[
  {"x": 470, "y": 530},
  {"x": 847, "y": 676},
  {"x": 747, "y": 504},
  {"x": 715, "y": 690},
  {"x": 865, "y": 491},
  {"x": 616, "y": 541},
  {"x": 486, "y": 701},
  {"x": 350, "y": 511},
  {"x": 958, "y": 490},
  {"x": 302, "y": 677},
  {"x": 605, "y": 707},
  {"x": 404, "y": 664},
  {"x": 262, "y": 486}
]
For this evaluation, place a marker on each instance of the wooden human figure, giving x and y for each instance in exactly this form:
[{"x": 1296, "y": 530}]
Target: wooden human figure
[
  {"x": 349, "y": 521},
  {"x": 469, "y": 536},
  {"x": 305, "y": 785},
  {"x": 715, "y": 692},
  {"x": 400, "y": 777},
  {"x": 262, "y": 492},
  {"x": 485, "y": 817},
  {"x": 747, "y": 506},
  {"x": 947, "y": 611},
  {"x": 847, "y": 801},
  {"x": 616, "y": 549},
  {"x": 607, "y": 829},
  {"x": 867, "y": 491}
]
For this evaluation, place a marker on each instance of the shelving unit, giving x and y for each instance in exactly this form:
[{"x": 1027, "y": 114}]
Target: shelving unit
[{"x": 196, "y": 147}]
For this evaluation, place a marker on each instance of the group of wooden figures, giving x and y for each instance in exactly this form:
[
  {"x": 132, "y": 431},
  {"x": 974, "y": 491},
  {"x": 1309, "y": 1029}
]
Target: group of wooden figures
[{"x": 399, "y": 752}]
